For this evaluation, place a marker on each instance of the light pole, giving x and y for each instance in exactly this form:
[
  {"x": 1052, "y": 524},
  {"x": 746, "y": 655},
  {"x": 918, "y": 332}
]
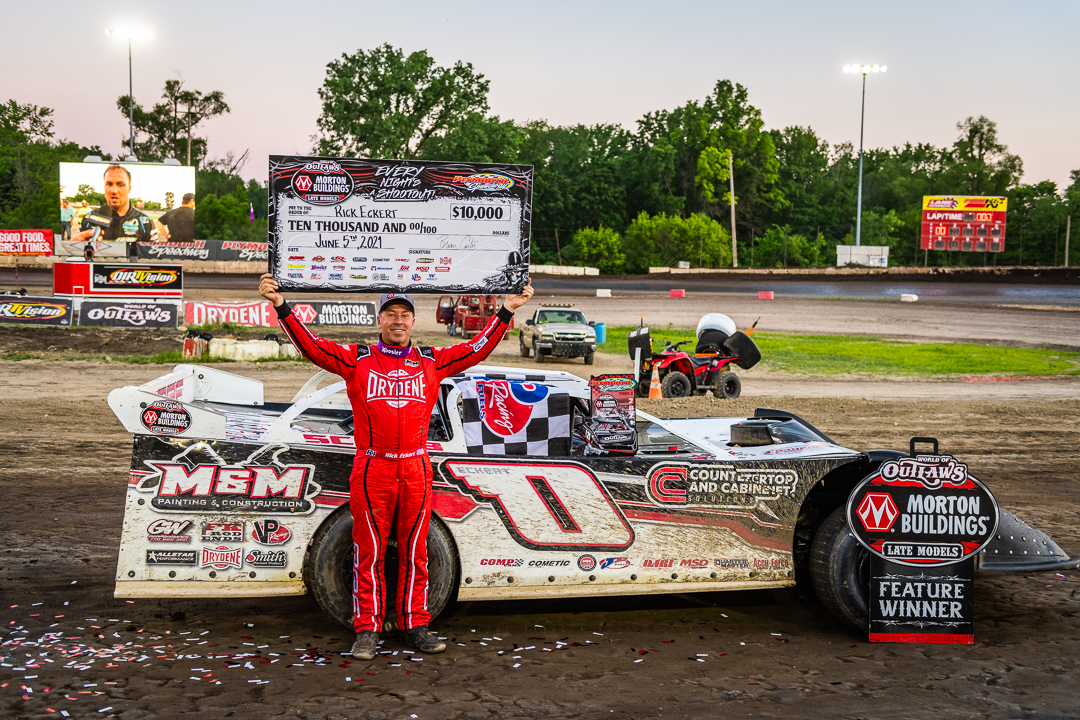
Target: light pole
[
  {"x": 865, "y": 70},
  {"x": 129, "y": 33}
]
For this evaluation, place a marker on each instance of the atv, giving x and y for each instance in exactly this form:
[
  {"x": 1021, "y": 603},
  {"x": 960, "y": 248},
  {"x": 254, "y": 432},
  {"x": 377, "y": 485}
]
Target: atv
[{"x": 719, "y": 346}]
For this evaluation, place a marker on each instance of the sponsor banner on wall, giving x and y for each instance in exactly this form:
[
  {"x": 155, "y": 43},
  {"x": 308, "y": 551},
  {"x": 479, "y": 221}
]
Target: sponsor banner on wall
[
  {"x": 120, "y": 313},
  {"x": 107, "y": 277},
  {"x": 330, "y": 313},
  {"x": 211, "y": 250},
  {"x": 35, "y": 310},
  {"x": 257, "y": 313},
  {"x": 251, "y": 313},
  {"x": 102, "y": 248},
  {"x": 357, "y": 225},
  {"x": 26, "y": 242}
]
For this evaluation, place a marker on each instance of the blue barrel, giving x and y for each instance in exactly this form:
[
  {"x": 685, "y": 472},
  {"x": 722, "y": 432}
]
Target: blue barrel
[{"x": 601, "y": 333}]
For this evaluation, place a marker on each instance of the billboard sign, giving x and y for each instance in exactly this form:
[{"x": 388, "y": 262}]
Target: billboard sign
[
  {"x": 26, "y": 242},
  {"x": 956, "y": 222},
  {"x": 355, "y": 225},
  {"x": 121, "y": 313},
  {"x": 153, "y": 191}
]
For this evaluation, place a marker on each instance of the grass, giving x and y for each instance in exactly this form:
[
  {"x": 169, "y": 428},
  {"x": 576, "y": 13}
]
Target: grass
[
  {"x": 845, "y": 355},
  {"x": 229, "y": 328}
]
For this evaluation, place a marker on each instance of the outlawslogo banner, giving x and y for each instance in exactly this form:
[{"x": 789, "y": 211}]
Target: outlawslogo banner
[
  {"x": 923, "y": 519},
  {"x": 355, "y": 225}
]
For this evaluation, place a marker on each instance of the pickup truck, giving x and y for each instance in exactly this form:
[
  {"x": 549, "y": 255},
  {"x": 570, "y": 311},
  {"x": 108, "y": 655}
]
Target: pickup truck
[{"x": 558, "y": 331}]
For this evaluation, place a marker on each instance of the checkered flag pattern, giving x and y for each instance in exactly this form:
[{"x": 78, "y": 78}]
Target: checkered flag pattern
[{"x": 518, "y": 418}]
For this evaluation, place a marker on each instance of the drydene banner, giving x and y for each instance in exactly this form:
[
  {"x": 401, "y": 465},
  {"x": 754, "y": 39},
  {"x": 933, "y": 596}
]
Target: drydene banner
[
  {"x": 26, "y": 242},
  {"x": 355, "y": 225}
]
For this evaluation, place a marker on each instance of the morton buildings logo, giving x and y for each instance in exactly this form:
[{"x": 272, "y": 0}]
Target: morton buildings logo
[
  {"x": 322, "y": 183},
  {"x": 877, "y": 512}
]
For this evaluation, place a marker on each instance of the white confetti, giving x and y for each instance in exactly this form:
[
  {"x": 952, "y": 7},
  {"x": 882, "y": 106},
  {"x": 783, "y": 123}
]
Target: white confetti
[
  {"x": 776, "y": 634},
  {"x": 517, "y": 665},
  {"x": 640, "y": 660},
  {"x": 703, "y": 654},
  {"x": 107, "y": 709},
  {"x": 600, "y": 634}
]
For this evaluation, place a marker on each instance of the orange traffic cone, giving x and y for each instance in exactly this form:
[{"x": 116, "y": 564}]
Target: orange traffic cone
[{"x": 654, "y": 384}]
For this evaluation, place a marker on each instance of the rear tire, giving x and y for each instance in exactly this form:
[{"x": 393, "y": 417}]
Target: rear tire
[
  {"x": 840, "y": 570},
  {"x": 743, "y": 349},
  {"x": 676, "y": 385},
  {"x": 328, "y": 569},
  {"x": 729, "y": 387}
]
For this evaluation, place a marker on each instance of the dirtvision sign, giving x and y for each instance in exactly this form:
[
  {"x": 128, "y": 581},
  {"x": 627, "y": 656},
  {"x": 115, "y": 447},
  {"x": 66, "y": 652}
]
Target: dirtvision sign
[
  {"x": 923, "y": 519},
  {"x": 376, "y": 226}
]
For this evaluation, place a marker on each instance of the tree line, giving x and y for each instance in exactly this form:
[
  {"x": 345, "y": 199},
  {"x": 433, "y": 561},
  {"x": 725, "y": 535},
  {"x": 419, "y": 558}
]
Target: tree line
[{"x": 622, "y": 200}]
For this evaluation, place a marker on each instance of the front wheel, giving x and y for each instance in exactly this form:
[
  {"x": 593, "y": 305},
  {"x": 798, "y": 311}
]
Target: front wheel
[
  {"x": 676, "y": 385},
  {"x": 328, "y": 569},
  {"x": 840, "y": 570},
  {"x": 590, "y": 359},
  {"x": 522, "y": 347},
  {"x": 730, "y": 386}
]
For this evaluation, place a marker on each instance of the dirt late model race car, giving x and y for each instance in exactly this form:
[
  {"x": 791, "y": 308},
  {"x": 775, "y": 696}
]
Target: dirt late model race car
[{"x": 230, "y": 495}]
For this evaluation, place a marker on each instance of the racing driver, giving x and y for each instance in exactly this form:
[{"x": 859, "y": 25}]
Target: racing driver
[{"x": 392, "y": 386}]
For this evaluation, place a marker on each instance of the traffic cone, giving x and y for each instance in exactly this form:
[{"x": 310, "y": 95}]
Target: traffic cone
[{"x": 654, "y": 384}]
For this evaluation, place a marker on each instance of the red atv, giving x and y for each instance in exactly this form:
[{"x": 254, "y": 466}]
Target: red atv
[{"x": 719, "y": 346}]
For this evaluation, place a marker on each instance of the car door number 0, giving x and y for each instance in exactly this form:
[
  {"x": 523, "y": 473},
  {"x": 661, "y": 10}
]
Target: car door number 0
[{"x": 547, "y": 506}]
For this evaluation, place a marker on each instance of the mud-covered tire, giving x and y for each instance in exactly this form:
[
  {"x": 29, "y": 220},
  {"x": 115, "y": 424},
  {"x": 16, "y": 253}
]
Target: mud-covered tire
[
  {"x": 676, "y": 385},
  {"x": 328, "y": 569},
  {"x": 743, "y": 349},
  {"x": 522, "y": 347},
  {"x": 729, "y": 387},
  {"x": 840, "y": 571},
  {"x": 590, "y": 359}
]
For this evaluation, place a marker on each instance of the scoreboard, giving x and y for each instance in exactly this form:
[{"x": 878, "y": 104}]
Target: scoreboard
[{"x": 955, "y": 222}]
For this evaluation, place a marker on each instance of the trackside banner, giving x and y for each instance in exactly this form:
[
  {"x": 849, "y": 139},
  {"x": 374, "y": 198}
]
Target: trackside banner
[
  {"x": 256, "y": 313},
  {"x": 212, "y": 250},
  {"x": 26, "y": 242},
  {"x": 119, "y": 313},
  {"x": 35, "y": 310}
]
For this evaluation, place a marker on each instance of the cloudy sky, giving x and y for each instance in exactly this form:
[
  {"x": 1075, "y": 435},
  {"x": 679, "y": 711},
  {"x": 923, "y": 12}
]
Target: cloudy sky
[{"x": 575, "y": 62}]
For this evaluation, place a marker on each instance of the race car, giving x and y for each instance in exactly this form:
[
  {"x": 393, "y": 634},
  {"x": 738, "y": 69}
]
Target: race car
[{"x": 230, "y": 495}]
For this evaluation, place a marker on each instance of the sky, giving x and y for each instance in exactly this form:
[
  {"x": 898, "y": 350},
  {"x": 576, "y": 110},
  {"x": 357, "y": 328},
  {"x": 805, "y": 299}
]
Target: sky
[{"x": 574, "y": 62}]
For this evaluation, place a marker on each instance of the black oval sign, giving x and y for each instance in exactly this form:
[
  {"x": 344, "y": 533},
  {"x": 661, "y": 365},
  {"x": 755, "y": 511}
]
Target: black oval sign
[
  {"x": 922, "y": 511},
  {"x": 323, "y": 182}
]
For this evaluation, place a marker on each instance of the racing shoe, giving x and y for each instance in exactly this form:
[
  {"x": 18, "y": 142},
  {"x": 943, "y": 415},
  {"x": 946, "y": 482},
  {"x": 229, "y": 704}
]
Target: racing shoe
[
  {"x": 423, "y": 640},
  {"x": 364, "y": 647}
]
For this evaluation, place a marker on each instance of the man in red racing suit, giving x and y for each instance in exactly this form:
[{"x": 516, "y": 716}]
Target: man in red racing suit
[{"x": 392, "y": 387}]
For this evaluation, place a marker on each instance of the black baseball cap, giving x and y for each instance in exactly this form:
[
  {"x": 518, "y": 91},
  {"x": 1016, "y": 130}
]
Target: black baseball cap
[{"x": 390, "y": 298}]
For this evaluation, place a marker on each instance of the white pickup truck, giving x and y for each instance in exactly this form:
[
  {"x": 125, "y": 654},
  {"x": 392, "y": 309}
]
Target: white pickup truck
[{"x": 558, "y": 331}]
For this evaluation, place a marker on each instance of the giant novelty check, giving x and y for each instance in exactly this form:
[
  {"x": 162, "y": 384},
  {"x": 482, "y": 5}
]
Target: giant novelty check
[{"x": 354, "y": 225}]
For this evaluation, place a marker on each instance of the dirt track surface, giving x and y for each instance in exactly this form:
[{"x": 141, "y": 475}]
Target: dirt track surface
[{"x": 63, "y": 468}]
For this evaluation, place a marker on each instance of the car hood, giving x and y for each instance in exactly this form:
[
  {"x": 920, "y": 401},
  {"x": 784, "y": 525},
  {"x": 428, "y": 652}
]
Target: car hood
[{"x": 566, "y": 328}]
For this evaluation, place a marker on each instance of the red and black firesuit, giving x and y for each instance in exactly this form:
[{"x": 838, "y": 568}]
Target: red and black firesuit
[{"x": 392, "y": 390}]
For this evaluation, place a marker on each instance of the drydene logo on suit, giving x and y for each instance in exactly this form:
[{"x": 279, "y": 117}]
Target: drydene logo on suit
[{"x": 397, "y": 387}]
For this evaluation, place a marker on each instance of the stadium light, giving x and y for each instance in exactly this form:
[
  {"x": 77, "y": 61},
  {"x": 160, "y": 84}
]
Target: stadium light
[
  {"x": 864, "y": 70},
  {"x": 129, "y": 34}
]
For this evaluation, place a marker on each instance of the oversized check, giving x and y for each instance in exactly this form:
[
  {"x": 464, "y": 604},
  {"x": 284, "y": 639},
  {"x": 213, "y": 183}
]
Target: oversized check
[{"x": 355, "y": 225}]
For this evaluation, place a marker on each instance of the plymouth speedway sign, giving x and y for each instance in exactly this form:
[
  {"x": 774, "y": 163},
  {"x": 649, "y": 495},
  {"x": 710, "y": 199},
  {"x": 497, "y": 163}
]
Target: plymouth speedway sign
[{"x": 355, "y": 225}]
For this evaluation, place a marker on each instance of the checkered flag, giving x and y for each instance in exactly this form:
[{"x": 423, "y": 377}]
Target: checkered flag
[{"x": 509, "y": 417}]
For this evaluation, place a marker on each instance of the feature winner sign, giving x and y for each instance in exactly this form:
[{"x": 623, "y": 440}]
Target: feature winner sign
[
  {"x": 954, "y": 222},
  {"x": 354, "y": 225},
  {"x": 923, "y": 518}
]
